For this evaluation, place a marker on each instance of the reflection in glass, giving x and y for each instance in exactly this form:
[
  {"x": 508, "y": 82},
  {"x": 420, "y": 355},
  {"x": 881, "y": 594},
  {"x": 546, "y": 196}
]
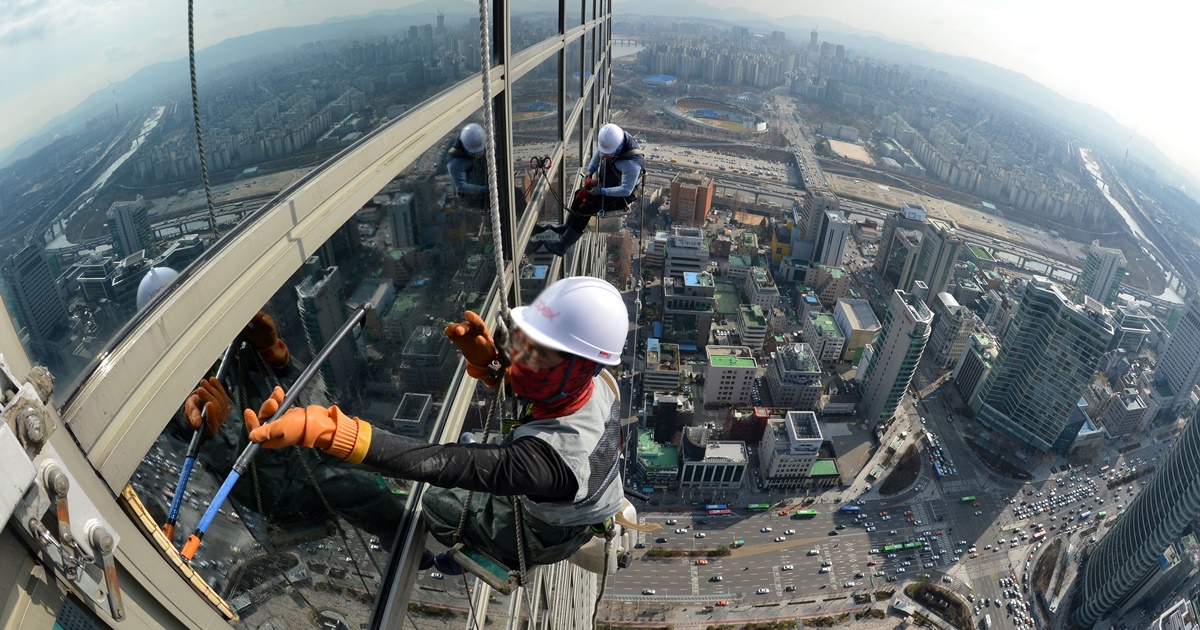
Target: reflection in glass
[
  {"x": 535, "y": 128},
  {"x": 301, "y": 521},
  {"x": 268, "y": 120},
  {"x": 532, "y": 22}
]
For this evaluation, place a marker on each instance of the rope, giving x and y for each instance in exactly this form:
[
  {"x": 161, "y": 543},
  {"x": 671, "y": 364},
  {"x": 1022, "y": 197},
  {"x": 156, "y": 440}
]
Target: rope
[
  {"x": 212, "y": 213},
  {"x": 608, "y": 536},
  {"x": 489, "y": 128}
]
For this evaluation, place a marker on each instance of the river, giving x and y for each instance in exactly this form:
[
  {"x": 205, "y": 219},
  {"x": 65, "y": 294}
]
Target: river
[
  {"x": 148, "y": 125},
  {"x": 1093, "y": 167}
]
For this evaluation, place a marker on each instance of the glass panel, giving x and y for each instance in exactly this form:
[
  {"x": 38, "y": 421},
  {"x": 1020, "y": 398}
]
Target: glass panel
[
  {"x": 532, "y": 21},
  {"x": 535, "y": 127},
  {"x": 141, "y": 205},
  {"x": 589, "y": 59},
  {"x": 581, "y": 7},
  {"x": 574, "y": 72},
  {"x": 422, "y": 255}
]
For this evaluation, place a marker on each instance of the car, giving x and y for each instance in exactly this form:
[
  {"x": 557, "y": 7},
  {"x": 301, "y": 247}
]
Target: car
[
  {"x": 700, "y": 534},
  {"x": 786, "y": 567},
  {"x": 671, "y": 521},
  {"x": 871, "y": 529},
  {"x": 826, "y": 563},
  {"x": 765, "y": 530},
  {"x": 892, "y": 533},
  {"x": 908, "y": 512},
  {"x": 872, "y": 563},
  {"x": 848, "y": 584},
  {"x": 833, "y": 532},
  {"x": 906, "y": 563},
  {"x": 883, "y": 513},
  {"x": 780, "y": 538},
  {"x": 716, "y": 578},
  {"x": 437, "y": 576},
  {"x": 701, "y": 561},
  {"x": 911, "y": 519},
  {"x": 840, "y": 527},
  {"x": 789, "y": 588},
  {"x": 660, "y": 540},
  {"x": 722, "y": 602},
  {"x": 977, "y": 513},
  {"x": 900, "y": 570},
  {"x": 873, "y": 550},
  {"x": 789, "y": 532},
  {"x": 648, "y": 591},
  {"x": 891, "y": 555},
  {"x": 763, "y": 591},
  {"x": 680, "y": 531},
  {"x": 859, "y": 574}
]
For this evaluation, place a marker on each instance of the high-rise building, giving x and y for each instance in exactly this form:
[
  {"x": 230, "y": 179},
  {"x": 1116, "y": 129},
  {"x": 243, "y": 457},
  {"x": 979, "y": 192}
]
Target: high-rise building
[
  {"x": 685, "y": 251},
  {"x": 688, "y": 305},
  {"x": 910, "y": 217},
  {"x": 905, "y": 333},
  {"x": 321, "y": 306},
  {"x": 794, "y": 377},
  {"x": 761, "y": 289},
  {"x": 940, "y": 246},
  {"x": 816, "y": 205},
  {"x": 1130, "y": 553},
  {"x": 1101, "y": 275},
  {"x": 834, "y": 236},
  {"x": 788, "y": 450},
  {"x": 952, "y": 325},
  {"x": 129, "y": 225},
  {"x": 822, "y": 333},
  {"x": 1047, "y": 359},
  {"x": 691, "y": 198},
  {"x": 974, "y": 365},
  {"x": 729, "y": 376},
  {"x": 1179, "y": 365},
  {"x": 402, "y": 221},
  {"x": 39, "y": 306}
]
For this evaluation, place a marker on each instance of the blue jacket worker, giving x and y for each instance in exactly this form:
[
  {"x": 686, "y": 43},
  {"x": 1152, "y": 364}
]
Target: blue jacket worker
[{"x": 613, "y": 176}]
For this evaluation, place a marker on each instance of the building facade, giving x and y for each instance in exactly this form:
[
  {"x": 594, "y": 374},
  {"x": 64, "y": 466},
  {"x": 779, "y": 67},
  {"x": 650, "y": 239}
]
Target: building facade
[
  {"x": 1179, "y": 364},
  {"x": 822, "y": 333},
  {"x": 905, "y": 333},
  {"x": 794, "y": 377},
  {"x": 952, "y": 326},
  {"x": 1101, "y": 275},
  {"x": 729, "y": 375},
  {"x": 858, "y": 324},
  {"x": 788, "y": 450},
  {"x": 691, "y": 198},
  {"x": 129, "y": 226},
  {"x": 1045, "y": 362}
]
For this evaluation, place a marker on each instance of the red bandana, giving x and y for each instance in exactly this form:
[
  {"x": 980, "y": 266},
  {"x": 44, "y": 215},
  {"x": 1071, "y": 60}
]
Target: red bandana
[{"x": 559, "y": 391}]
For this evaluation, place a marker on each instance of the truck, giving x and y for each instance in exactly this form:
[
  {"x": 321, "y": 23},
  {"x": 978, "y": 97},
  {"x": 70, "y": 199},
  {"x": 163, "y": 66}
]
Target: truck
[
  {"x": 987, "y": 622},
  {"x": 738, "y": 543}
]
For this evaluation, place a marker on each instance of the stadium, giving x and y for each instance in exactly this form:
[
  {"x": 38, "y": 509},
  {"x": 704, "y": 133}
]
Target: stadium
[{"x": 718, "y": 115}]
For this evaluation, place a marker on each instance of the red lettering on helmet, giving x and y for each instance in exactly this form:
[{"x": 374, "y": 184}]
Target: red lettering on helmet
[{"x": 544, "y": 309}]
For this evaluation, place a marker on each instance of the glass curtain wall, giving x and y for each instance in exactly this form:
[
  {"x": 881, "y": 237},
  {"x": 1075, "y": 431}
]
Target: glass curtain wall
[{"x": 329, "y": 169}]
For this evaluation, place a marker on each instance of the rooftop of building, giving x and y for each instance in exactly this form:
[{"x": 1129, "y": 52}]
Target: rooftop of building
[
  {"x": 730, "y": 356},
  {"x": 916, "y": 305},
  {"x": 731, "y": 452},
  {"x": 697, "y": 279},
  {"x": 753, "y": 316},
  {"x": 859, "y": 314},
  {"x": 798, "y": 357},
  {"x": 688, "y": 232},
  {"x": 825, "y": 324},
  {"x": 803, "y": 425},
  {"x": 413, "y": 407},
  {"x": 534, "y": 272},
  {"x": 315, "y": 281},
  {"x": 824, "y": 468},
  {"x": 656, "y": 456},
  {"x": 740, "y": 260}
]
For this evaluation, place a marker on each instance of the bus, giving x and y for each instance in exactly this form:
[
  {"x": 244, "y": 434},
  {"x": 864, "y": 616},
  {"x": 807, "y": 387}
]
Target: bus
[
  {"x": 967, "y": 499},
  {"x": 1038, "y": 535},
  {"x": 804, "y": 514},
  {"x": 1084, "y": 515},
  {"x": 720, "y": 512},
  {"x": 758, "y": 507},
  {"x": 716, "y": 506},
  {"x": 916, "y": 544},
  {"x": 887, "y": 548},
  {"x": 850, "y": 509},
  {"x": 1104, "y": 469},
  {"x": 1101, "y": 514}
]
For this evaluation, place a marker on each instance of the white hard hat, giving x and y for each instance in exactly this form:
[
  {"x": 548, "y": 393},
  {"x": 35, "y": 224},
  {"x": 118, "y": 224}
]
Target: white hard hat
[
  {"x": 610, "y": 138},
  {"x": 580, "y": 315},
  {"x": 473, "y": 138},
  {"x": 152, "y": 283}
]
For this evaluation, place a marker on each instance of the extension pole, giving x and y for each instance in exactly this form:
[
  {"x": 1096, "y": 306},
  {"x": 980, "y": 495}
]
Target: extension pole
[{"x": 243, "y": 461}]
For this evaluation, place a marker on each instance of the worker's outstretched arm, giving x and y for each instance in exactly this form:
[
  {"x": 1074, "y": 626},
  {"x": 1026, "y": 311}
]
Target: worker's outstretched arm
[{"x": 527, "y": 466}]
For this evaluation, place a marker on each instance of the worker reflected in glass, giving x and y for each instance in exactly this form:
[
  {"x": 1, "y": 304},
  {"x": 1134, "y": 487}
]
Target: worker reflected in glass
[
  {"x": 612, "y": 178},
  {"x": 290, "y": 488},
  {"x": 560, "y": 462},
  {"x": 466, "y": 162}
]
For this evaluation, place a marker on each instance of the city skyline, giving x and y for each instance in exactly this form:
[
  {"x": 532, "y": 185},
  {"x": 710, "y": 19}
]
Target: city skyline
[{"x": 47, "y": 79}]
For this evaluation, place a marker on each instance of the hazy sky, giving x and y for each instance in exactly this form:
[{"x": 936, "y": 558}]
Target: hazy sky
[{"x": 1135, "y": 64}]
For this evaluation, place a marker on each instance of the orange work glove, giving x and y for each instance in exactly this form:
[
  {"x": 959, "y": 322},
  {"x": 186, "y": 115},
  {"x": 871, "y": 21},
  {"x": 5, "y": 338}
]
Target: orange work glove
[
  {"x": 325, "y": 428},
  {"x": 262, "y": 335},
  {"x": 473, "y": 340},
  {"x": 210, "y": 397}
]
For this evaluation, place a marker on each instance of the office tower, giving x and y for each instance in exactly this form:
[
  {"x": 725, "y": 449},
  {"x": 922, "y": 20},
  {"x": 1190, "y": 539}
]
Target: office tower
[
  {"x": 900, "y": 261},
  {"x": 688, "y": 306},
  {"x": 905, "y": 333},
  {"x": 823, "y": 334},
  {"x": 794, "y": 377},
  {"x": 319, "y": 298},
  {"x": 760, "y": 289},
  {"x": 812, "y": 39},
  {"x": 974, "y": 365},
  {"x": 402, "y": 221},
  {"x": 910, "y": 217},
  {"x": 729, "y": 375},
  {"x": 940, "y": 246},
  {"x": 1101, "y": 275},
  {"x": 952, "y": 325},
  {"x": 789, "y": 449},
  {"x": 1129, "y": 554},
  {"x": 691, "y": 198},
  {"x": 1179, "y": 365},
  {"x": 39, "y": 306},
  {"x": 830, "y": 283},
  {"x": 831, "y": 245},
  {"x": 129, "y": 225},
  {"x": 685, "y": 252},
  {"x": 816, "y": 205},
  {"x": 1048, "y": 357}
]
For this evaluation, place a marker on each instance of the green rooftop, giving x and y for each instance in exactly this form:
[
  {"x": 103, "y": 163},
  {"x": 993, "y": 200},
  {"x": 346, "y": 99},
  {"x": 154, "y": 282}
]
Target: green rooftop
[
  {"x": 824, "y": 322},
  {"x": 823, "y": 468},
  {"x": 729, "y": 360},
  {"x": 980, "y": 252},
  {"x": 754, "y": 316},
  {"x": 656, "y": 456}
]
